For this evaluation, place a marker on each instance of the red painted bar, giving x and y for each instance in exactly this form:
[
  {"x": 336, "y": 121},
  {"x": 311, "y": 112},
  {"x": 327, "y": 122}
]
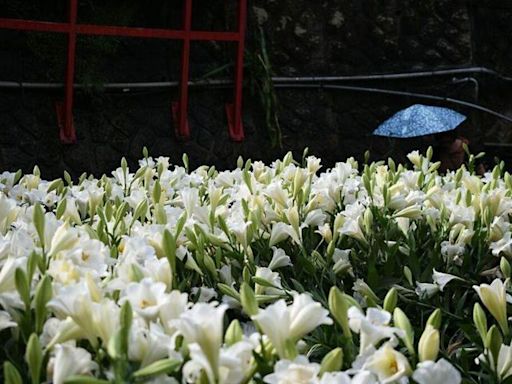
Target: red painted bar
[
  {"x": 68, "y": 134},
  {"x": 112, "y": 30},
  {"x": 180, "y": 108},
  {"x": 213, "y": 35},
  {"x": 33, "y": 25},
  {"x": 236, "y": 129},
  {"x": 183, "y": 131}
]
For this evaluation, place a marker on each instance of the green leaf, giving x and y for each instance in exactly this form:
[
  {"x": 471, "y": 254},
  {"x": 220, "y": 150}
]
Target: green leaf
[
  {"x": 157, "y": 368},
  {"x": 185, "y": 162},
  {"x": 126, "y": 317},
  {"x": 82, "y": 379},
  {"x": 169, "y": 246},
  {"x": 61, "y": 208},
  {"x": 55, "y": 185},
  {"x": 248, "y": 300},
  {"x": 67, "y": 178},
  {"x": 23, "y": 287},
  {"x": 41, "y": 298},
  {"x": 34, "y": 358},
  {"x": 11, "y": 374},
  {"x": 114, "y": 348},
  {"x": 228, "y": 291},
  {"x": 263, "y": 282},
  {"x": 39, "y": 222},
  {"x": 157, "y": 192}
]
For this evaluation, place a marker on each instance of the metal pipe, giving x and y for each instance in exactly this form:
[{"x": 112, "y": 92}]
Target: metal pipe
[
  {"x": 398, "y": 93},
  {"x": 287, "y": 82},
  {"x": 475, "y": 82},
  {"x": 123, "y": 86},
  {"x": 276, "y": 80},
  {"x": 394, "y": 76}
]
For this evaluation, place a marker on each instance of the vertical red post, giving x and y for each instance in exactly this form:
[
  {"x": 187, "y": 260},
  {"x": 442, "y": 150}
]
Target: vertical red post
[
  {"x": 180, "y": 109},
  {"x": 234, "y": 111},
  {"x": 65, "y": 112}
]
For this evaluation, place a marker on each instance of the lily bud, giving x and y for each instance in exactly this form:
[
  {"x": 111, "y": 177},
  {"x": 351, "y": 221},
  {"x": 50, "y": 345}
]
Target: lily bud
[
  {"x": 234, "y": 333},
  {"x": 411, "y": 212},
  {"x": 428, "y": 346},
  {"x": 39, "y": 221},
  {"x": 505, "y": 267},
  {"x": 435, "y": 319},
  {"x": 480, "y": 321},
  {"x": 368, "y": 220},
  {"x": 159, "y": 367},
  {"x": 408, "y": 275},
  {"x": 391, "y": 300},
  {"x": 402, "y": 321},
  {"x": 332, "y": 361},
  {"x": 493, "y": 342},
  {"x": 338, "y": 306}
]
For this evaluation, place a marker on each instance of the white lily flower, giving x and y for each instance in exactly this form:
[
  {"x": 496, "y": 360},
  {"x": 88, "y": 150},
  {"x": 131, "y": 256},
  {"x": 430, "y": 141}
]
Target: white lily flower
[
  {"x": 57, "y": 331},
  {"x": 282, "y": 323},
  {"x": 441, "y": 372},
  {"x": 389, "y": 365},
  {"x": 279, "y": 259},
  {"x": 8, "y": 213},
  {"x": 442, "y": 279},
  {"x": 315, "y": 218},
  {"x": 325, "y": 231},
  {"x": 281, "y": 231},
  {"x": 145, "y": 297},
  {"x": 171, "y": 309},
  {"x": 426, "y": 290},
  {"x": 452, "y": 252},
  {"x": 235, "y": 362},
  {"x": 364, "y": 377},
  {"x": 71, "y": 212},
  {"x": 494, "y": 297},
  {"x": 64, "y": 238},
  {"x": 105, "y": 317},
  {"x": 205, "y": 294},
  {"x": 298, "y": 371},
  {"x": 373, "y": 327},
  {"x": 149, "y": 344},
  {"x": 71, "y": 361},
  {"x": 203, "y": 324},
  {"x": 503, "y": 245},
  {"x": 335, "y": 378},
  {"x": 7, "y": 273},
  {"x": 504, "y": 364},
  {"x": 272, "y": 278},
  {"x": 342, "y": 261},
  {"x": 6, "y": 321}
]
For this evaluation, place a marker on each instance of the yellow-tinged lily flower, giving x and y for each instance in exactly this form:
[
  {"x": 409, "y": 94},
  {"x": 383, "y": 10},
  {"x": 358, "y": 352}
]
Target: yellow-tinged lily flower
[{"x": 494, "y": 297}]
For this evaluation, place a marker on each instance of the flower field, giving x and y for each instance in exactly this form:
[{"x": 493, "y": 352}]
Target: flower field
[{"x": 281, "y": 273}]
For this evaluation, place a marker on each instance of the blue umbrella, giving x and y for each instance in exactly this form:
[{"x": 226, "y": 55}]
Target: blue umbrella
[{"x": 419, "y": 120}]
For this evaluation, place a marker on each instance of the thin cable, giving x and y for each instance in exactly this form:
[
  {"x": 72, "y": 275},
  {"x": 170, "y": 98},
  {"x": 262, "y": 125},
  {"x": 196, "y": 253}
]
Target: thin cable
[{"x": 398, "y": 93}]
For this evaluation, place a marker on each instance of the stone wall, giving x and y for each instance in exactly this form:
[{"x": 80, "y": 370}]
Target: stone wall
[{"x": 304, "y": 38}]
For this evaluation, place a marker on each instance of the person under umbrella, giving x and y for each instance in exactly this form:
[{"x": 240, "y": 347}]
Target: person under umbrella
[{"x": 425, "y": 120}]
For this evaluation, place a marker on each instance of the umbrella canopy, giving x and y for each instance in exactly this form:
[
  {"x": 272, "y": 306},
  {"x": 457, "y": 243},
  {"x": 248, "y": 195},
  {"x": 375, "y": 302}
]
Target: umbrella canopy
[{"x": 419, "y": 120}]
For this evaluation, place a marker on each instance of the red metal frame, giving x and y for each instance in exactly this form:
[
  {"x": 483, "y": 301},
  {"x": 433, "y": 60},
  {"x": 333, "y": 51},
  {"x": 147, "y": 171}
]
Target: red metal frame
[{"x": 186, "y": 34}]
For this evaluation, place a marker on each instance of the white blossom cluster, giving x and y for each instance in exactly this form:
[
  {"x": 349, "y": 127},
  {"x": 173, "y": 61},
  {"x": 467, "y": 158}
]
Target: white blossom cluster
[{"x": 275, "y": 274}]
